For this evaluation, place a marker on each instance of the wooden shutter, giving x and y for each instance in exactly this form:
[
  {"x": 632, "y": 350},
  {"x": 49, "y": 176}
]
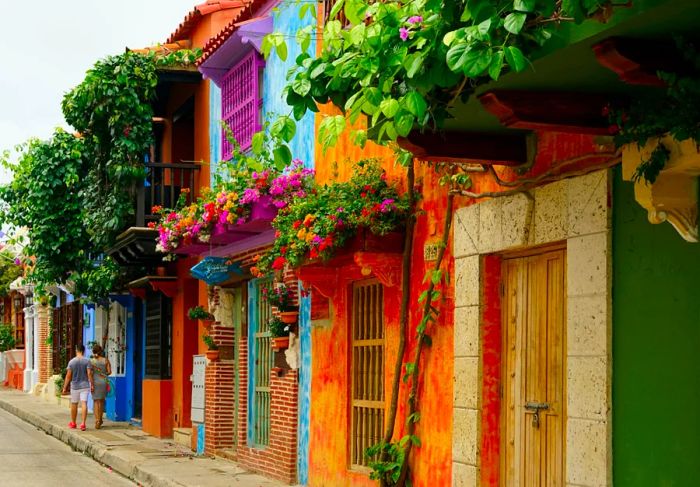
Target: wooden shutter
[
  {"x": 158, "y": 331},
  {"x": 263, "y": 365},
  {"x": 241, "y": 102},
  {"x": 534, "y": 320},
  {"x": 367, "y": 369}
]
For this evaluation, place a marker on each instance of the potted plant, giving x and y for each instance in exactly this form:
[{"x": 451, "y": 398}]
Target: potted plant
[
  {"x": 199, "y": 313},
  {"x": 282, "y": 298},
  {"x": 280, "y": 333},
  {"x": 213, "y": 349}
]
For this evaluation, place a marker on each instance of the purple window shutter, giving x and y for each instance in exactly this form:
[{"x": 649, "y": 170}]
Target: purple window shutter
[{"x": 241, "y": 102}]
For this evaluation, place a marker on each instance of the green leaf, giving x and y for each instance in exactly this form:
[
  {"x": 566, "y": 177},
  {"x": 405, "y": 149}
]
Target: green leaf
[
  {"x": 357, "y": 34},
  {"x": 476, "y": 62},
  {"x": 413, "y": 63},
  {"x": 484, "y": 27},
  {"x": 389, "y": 107},
  {"x": 457, "y": 56},
  {"x": 301, "y": 86},
  {"x": 330, "y": 130},
  {"x": 336, "y": 9},
  {"x": 496, "y": 65},
  {"x": 355, "y": 11},
  {"x": 415, "y": 103},
  {"x": 514, "y": 22},
  {"x": 282, "y": 156},
  {"x": 524, "y": 5},
  {"x": 284, "y": 127},
  {"x": 403, "y": 123},
  {"x": 258, "y": 142},
  {"x": 515, "y": 58}
]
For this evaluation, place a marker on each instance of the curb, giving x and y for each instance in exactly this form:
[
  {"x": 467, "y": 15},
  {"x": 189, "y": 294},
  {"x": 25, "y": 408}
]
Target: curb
[{"x": 102, "y": 455}]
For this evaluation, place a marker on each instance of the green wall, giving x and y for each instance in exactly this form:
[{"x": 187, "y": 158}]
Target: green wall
[{"x": 656, "y": 350}]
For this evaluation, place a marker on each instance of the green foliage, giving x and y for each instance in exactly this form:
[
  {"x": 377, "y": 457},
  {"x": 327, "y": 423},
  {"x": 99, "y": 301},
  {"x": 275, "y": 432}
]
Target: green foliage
[
  {"x": 278, "y": 328},
  {"x": 199, "y": 313},
  {"x": 388, "y": 470},
  {"x": 76, "y": 193},
  {"x": 403, "y": 64},
  {"x": 9, "y": 271},
  {"x": 672, "y": 111},
  {"x": 209, "y": 342},
  {"x": 7, "y": 337}
]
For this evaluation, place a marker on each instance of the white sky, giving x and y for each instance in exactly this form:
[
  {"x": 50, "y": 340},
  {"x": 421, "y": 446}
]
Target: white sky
[{"x": 47, "y": 45}]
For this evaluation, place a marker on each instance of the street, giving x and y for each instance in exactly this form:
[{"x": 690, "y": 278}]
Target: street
[{"x": 28, "y": 457}]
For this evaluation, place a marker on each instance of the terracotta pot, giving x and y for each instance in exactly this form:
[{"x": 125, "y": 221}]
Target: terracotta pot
[
  {"x": 212, "y": 355},
  {"x": 207, "y": 323},
  {"x": 289, "y": 317},
  {"x": 280, "y": 343}
]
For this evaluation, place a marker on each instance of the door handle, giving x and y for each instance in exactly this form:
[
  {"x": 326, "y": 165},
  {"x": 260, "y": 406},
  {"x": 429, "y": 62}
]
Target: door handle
[{"x": 536, "y": 407}]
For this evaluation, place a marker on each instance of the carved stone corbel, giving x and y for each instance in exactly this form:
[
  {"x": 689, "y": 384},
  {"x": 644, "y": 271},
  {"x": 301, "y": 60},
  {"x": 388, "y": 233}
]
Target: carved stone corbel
[
  {"x": 385, "y": 267},
  {"x": 673, "y": 197}
]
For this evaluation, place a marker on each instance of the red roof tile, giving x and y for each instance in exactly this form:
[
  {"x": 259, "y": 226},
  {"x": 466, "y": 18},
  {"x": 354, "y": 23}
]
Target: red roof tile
[
  {"x": 193, "y": 17},
  {"x": 215, "y": 42}
]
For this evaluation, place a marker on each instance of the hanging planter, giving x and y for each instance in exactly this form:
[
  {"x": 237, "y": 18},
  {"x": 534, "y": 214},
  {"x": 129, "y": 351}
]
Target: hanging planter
[
  {"x": 280, "y": 343},
  {"x": 289, "y": 317}
]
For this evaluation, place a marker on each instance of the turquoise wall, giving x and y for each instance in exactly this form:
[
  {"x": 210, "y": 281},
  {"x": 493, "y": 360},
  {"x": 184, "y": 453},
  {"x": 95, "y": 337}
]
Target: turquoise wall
[
  {"x": 214, "y": 130},
  {"x": 656, "y": 350}
]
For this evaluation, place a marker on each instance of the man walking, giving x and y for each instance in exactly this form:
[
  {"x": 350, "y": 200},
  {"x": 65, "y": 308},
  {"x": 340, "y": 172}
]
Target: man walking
[{"x": 79, "y": 379}]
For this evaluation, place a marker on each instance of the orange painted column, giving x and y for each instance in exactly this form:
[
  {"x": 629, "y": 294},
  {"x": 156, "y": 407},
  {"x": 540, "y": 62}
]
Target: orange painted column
[{"x": 157, "y": 408}]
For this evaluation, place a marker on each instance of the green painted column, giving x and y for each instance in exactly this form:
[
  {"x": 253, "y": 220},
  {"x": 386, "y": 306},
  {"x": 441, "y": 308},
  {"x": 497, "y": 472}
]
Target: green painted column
[{"x": 656, "y": 350}]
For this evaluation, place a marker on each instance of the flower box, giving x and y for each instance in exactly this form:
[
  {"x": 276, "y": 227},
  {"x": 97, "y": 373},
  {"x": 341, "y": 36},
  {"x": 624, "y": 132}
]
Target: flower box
[
  {"x": 195, "y": 248},
  {"x": 280, "y": 343},
  {"x": 262, "y": 212}
]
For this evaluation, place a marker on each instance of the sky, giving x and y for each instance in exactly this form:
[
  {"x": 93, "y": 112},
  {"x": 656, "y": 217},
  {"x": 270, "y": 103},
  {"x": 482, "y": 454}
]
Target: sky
[{"x": 47, "y": 45}]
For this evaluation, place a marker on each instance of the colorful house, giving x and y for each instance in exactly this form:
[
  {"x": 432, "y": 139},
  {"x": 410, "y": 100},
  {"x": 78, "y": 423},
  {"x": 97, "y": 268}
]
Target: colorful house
[
  {"x": 255, "y": 400},
  {"x": 535, "y": 273}
]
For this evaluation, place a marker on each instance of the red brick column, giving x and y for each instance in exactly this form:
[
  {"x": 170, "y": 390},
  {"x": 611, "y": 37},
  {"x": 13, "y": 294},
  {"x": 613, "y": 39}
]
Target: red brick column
[
  {"x": 219, "y": 402},
  {"x": 45, "y": 358}
]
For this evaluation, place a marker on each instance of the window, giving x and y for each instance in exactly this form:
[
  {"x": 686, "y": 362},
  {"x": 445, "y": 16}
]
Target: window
[
  {"x": 158, "y": 336},
  {"x": 19, "y": 321},
  {"x": 241, "y": 102},
  {"x": 366, "y": 369},
  {"x": 263, "y": 361}
]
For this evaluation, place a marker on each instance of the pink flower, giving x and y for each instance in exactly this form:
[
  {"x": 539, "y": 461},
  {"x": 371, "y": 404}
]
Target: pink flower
[
  {"x": 223, "y": 217},
  {"x": 403, "y": 34},
  {"x": 250, "y": 196},
  {"x": 416, "y": 19}
]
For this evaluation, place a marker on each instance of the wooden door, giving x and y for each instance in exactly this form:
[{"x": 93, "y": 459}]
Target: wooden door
[{"x": 533, "y": 416}]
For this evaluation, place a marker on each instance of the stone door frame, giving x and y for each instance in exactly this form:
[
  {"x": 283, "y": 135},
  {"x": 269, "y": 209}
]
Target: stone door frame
[{"x": 577, "y": 211}]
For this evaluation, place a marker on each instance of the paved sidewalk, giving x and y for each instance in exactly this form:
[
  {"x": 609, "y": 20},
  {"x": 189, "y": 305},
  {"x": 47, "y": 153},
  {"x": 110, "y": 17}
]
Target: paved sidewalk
[{"x": 129, "y": 451}]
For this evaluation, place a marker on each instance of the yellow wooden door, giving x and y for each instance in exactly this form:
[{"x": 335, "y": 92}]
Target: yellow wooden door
[{"x": 533, "y": 415}]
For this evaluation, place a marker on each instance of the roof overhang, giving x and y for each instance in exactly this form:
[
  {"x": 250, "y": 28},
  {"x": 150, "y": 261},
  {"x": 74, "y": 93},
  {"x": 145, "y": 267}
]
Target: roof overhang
[{"x": 245, "y": 36}]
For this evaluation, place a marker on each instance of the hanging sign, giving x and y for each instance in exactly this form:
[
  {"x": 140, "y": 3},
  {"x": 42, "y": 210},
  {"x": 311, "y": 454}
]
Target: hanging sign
[{"x": 214, "y": 270}]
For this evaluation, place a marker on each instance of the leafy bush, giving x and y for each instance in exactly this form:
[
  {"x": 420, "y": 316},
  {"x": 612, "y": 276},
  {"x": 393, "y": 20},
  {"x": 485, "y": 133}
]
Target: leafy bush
[{"x": 7, "y": 337}]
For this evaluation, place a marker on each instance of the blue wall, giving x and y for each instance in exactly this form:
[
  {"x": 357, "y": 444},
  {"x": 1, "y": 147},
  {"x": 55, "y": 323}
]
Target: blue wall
[
  {"x": 286, "y": 19},
  {"x": 120, "y": 406}
]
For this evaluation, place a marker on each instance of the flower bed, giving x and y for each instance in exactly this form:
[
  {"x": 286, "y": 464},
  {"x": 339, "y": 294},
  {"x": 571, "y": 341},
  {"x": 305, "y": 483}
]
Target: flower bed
[{"x": 331, "y": 216}]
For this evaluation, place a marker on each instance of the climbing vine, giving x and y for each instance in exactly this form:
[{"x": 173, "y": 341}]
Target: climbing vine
[{"x": 76, "y": 192}]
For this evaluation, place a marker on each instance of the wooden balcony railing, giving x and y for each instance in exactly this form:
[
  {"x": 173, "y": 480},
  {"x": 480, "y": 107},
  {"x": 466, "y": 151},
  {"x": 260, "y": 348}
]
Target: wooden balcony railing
[{"x": 162, "y": 187}]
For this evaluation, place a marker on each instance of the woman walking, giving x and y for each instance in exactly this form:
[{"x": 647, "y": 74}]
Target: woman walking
[{"x": 101, "y": 368}]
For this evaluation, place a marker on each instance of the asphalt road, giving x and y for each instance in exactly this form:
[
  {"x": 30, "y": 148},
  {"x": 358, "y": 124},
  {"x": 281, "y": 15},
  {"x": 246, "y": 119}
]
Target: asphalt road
[{"x": 29, "y": 457}]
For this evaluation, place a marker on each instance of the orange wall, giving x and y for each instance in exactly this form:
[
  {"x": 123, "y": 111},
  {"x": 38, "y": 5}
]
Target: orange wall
[
  {"x": 430, "y": 463},
  {"x": 157, "y": 408},
  {"x": 329, "y": 390}
]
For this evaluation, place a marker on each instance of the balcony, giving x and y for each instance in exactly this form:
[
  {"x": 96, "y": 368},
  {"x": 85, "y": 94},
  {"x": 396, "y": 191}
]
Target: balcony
[{"x": 162, "y": 186}]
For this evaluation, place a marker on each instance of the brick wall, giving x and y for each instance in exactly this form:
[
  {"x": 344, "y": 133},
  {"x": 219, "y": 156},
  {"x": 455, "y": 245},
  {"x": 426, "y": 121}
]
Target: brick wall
[
  {"x": 279, "y": 459},
  {"x": 45, "y": 359}
]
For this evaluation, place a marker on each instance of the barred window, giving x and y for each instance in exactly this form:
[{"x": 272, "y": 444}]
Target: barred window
[{"x": 367, "y": 369}]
